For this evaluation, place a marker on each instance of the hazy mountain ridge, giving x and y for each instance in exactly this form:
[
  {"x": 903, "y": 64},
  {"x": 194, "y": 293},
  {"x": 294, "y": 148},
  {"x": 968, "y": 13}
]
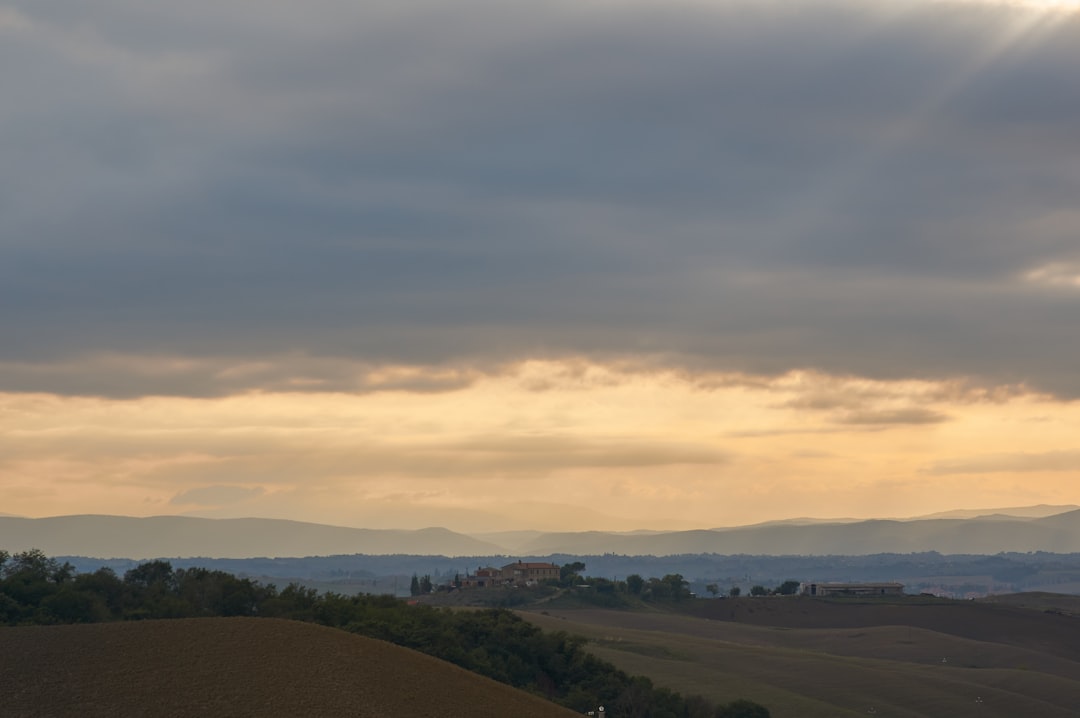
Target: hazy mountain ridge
[
  {"x": 1038, "y": 511},
  {"x": 180, "y": 536},
  {"x": 989, "y": 535},
  {"x": 991, "y": 532}
]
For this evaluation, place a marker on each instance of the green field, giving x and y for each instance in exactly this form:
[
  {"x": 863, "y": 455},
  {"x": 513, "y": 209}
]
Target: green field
[{"x": 804, "y": 657}]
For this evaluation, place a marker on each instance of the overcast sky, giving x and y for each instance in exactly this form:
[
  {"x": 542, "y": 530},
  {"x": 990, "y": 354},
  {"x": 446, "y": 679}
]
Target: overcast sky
[{"x": 624, "y": 263}]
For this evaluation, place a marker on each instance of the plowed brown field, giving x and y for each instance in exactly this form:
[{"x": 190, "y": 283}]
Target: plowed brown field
[{"x": 237, "y": 667}]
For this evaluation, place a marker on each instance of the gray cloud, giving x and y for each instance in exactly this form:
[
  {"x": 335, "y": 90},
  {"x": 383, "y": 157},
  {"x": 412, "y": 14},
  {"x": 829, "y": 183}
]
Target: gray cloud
[
  {"x": 911, "y": 415},
  {"x": 735, "y": 186},
  {"x": 128, "y": 377}
]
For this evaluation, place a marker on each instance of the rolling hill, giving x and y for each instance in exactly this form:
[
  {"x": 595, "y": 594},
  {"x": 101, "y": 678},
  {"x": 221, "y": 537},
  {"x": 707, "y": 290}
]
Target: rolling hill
[
  {"x": 237, "y": 667},
  {"x": 815, "y": 658}
]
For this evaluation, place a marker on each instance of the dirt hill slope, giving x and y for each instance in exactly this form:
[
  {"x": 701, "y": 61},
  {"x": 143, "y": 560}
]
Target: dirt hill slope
[
  {"x": 814, "y": 658},
  {"x": 984, "y": 621},
  {"x": 237, "y": 667}
]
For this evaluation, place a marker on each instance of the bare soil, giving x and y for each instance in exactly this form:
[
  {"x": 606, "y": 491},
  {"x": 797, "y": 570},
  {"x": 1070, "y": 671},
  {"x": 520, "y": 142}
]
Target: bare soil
[{"x": 237, "y": 667}]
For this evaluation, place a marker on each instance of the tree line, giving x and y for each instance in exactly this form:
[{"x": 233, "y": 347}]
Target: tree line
[
  {"x": 36, "y": 589},
  {"x": 671, "y": 588}
]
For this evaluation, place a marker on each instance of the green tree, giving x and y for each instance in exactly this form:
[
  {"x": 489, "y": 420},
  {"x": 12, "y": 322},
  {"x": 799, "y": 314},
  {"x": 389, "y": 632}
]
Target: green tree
[
  {"x": 10, "y": 609},
  {"x": 635, "y": 584},
  {"x": 568, "y": 573},
  {"x": 788, "y": 588},
  {"x": 29, "y": 578},
  {"x": 699, "y": 707},
  {"x": 734, "y": 592},
  {"x": 635, "y": 699},
  {"x": 202, "y": 592},
  {"x": 152, "y": 592},
  {"x": 425, "y": 584},
  {"x": 34, "y": 565},
  {"x": 658, "y": 589},
  {"x": 105, "y": 584},
  {"x": 294, "y": 601},
  {"x": 152, "y": 574},
  {"x": 759, "y": 591},
  {"x": 678, "y": 587},
  {"x": 70, "y": 605},
  {"x": 414, "y": 586},
  {"x": 742, "y": 709},
  {"x": 712, "y": 588}
]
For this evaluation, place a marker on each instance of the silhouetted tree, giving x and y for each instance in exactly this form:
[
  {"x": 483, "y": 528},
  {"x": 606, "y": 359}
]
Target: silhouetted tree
[
  {"x": 569, "y": 572},
  {"x": 70, "y": 605},
  {"x": 30, "y": 577},
  {"x": 678, "y": 586},
  {"x": 788, "y": 588},
  {"x": 106, "y": 584},
  {"x": 742, "y": 709},
  {"x": 152, "y": 573},
  {"x": 34, "y": 565}
]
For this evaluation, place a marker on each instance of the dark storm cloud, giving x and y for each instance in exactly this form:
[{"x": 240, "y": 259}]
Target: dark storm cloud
[{"x": 740, "y": 186}]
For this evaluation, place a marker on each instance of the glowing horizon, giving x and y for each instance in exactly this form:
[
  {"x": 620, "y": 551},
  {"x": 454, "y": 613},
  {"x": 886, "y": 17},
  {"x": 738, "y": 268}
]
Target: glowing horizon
[
  {"x": 566, "y": 443},
  {"x": 630, "y": 264}
]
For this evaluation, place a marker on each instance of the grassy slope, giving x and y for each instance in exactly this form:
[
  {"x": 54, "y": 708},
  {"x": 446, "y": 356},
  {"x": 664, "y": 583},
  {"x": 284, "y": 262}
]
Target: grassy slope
[
  {"x": 864, "y": 655},
  {"x": 236, "y": 667}
]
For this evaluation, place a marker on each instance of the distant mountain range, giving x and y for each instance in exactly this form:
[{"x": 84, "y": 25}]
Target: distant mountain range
[
  {"x": 1031, "y": 512},
  {"x": 1022, "y": 529},
  {"x": 182, "y": 536},
  {"x": 985, "y": 535}
]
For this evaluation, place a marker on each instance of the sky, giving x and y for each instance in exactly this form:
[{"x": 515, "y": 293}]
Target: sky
[{"x": 559, "y": 265}]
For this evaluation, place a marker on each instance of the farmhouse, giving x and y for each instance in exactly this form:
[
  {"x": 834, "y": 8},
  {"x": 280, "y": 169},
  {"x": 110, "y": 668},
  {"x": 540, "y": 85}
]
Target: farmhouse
[
  {"x": 483, "y": 578},
  {"x": 852, "y": 589},
  {"x": 528, "y": 574},
  {"x": 519, "y": 573}
]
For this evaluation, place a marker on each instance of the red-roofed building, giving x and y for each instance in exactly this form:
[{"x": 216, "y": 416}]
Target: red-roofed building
[
  {"x": 529, "y": 574},
  {"x": 483, "y": 578}
]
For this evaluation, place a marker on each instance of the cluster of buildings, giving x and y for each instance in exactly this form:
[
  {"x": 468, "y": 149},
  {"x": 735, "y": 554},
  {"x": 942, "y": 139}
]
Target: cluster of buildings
[{"x": 521, "y": 573}]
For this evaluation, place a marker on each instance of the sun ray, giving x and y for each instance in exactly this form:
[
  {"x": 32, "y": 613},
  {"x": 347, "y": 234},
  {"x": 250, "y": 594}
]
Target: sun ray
[{"x": 1029, "y": 20}]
